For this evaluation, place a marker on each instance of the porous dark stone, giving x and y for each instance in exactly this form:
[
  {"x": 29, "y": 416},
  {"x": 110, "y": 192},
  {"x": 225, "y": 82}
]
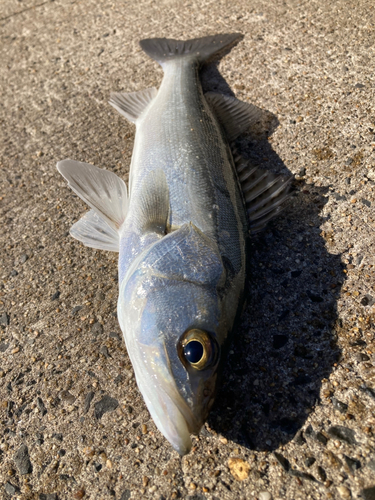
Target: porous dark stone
[
  {"x": 366, "y": 202},
  {"x": 352, "y": 463},
  {"x": 114, "y": 335},
  {"x": 125, "y": 495},
  {"x": 282, "y": 461},
  {"x": 22, "y": 460},
  {"x": 10, "y": 488},
  {"x": 4, "y": 319},
  {"x": 76, "y": 309},
  {"x": 41, "y": 407},
  {"x": 104, "y": 350},
  {"x": 24, "y": 257},
  {"x": 302, "y": 475},
  {"x": 56, "y": 295},
  {"x": 97, "y": 328},
  {"x": 367, "y": 300},
  {"x": 299, "y": 439},
  {"x": 342, "y": 434},
  {"x": 3, "y": 346},
  {"x": 104, "y": 405},
  {"x": 89, "y": 397},
  {"x": 309, "y": 461},
  {"x": 321, "y": 438},
  {"x": 339, "y": 405},
  {"x": 321, "y": 473},
  {"x": 369, "y": 493},
  {"x": 58, "y": 436}
]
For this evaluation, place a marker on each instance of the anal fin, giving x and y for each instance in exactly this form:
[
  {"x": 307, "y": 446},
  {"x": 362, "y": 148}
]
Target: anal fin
[
  {"x": 236, "y": 117},
  {"x": 264, "y": 193},
  {"x": 132, "y": 105}
]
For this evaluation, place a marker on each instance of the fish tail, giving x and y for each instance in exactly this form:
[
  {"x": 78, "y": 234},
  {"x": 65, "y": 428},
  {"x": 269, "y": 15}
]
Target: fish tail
[{"x": 200, "y": 49}]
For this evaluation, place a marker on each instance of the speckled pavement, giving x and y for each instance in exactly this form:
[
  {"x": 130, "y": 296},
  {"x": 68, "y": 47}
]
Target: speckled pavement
[{"x": 295, "y": 415}]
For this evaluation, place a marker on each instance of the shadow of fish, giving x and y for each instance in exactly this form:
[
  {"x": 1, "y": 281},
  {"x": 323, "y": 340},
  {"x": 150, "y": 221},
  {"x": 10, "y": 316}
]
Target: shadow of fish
[{"x": 182, "y": 232}]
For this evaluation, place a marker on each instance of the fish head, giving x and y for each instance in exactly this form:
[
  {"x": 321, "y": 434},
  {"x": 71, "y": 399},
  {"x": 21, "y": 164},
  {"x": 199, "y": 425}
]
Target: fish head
[{"x": 173, "y": 323}]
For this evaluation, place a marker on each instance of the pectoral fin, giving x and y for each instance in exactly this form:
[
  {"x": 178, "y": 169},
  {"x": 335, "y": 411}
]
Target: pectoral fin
[
  {"x": 94, "y": 232},
  {"x": 102, "y": 190},
  {"x": 153, "y": 207}
]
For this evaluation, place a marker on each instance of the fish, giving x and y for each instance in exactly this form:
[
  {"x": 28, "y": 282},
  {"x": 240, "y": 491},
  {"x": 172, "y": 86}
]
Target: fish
[{"x": 182, "y": 230}]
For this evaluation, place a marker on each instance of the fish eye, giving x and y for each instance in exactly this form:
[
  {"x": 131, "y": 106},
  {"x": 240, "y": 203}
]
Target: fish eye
[{"x": 198, "y": 349}]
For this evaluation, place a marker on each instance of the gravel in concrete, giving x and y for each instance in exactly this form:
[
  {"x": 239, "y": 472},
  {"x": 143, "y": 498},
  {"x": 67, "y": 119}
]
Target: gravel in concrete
[{"x": 297, "y": 401}]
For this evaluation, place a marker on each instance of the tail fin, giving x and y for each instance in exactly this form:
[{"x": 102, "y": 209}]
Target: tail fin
[{"x": 201, "y": 49}]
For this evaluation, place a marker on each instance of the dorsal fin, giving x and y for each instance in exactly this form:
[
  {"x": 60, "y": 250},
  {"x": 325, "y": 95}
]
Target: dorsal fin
[
  {"x": 264, "y": 193},
  {"x": 131, "y": 105},
  {"x": 236, "y": 117}
]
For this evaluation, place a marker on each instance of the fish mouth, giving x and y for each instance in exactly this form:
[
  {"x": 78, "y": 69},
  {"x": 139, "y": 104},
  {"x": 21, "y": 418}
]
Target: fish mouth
[{"x": 171, "y": 414}]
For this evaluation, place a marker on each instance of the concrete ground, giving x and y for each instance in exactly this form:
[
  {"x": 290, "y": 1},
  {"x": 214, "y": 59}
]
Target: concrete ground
[{"x": 295, "y": 415}]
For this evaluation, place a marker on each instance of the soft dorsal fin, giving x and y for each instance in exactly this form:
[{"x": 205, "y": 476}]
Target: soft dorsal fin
[
  {"x": 264, "y": 193},
  {"x": 236, "y": 117},
  {"x": 94, "y": 232},
  {"x": 153, "y": 205},
  {"x": 102, "y": 190},
  {"x": 131, "y": 105}
]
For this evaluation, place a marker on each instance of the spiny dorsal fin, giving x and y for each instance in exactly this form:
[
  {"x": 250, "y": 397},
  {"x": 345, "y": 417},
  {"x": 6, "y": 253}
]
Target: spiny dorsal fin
[
  {"x": 94, "y": 232},
  {"x": 235, "y": 116},
  {"x": 131, "y": 105},
  {"x": 102, "y": 190},
  {"x": 153, "y": 206},
  {"x": 264, "y": 193},
  {"x": 201, "y": 49}
]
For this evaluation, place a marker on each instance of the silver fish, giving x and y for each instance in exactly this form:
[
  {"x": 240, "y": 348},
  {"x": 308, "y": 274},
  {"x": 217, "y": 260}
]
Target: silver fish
[{"x": 182, "y": 232}]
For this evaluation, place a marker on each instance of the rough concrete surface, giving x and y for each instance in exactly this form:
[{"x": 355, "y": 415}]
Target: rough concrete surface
[{"x": 294, "y": 417}]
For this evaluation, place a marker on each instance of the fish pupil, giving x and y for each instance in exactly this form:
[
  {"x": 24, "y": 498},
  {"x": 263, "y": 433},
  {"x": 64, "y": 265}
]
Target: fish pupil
[{"x": 193, "y": 351}]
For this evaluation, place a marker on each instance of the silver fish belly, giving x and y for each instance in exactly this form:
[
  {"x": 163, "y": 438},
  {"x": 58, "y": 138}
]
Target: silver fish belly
[{"x": 181, "y": 233}]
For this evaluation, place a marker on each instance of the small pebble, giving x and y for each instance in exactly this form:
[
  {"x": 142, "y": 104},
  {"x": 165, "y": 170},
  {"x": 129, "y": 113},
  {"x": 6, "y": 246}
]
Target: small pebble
[
  {"x": 239, "y": 469},
  {"x": 22, "y": 460},
  {"x": 10, "y": 489},
  {"x": 4, "y": 319},
  {"x": 264, "y": 495},
  {"x": 79, "y": 494},
  {"x": 343, "y": 492},
  {"x": 105, "y": 405},
  {"x": 342, "y": 434}
]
